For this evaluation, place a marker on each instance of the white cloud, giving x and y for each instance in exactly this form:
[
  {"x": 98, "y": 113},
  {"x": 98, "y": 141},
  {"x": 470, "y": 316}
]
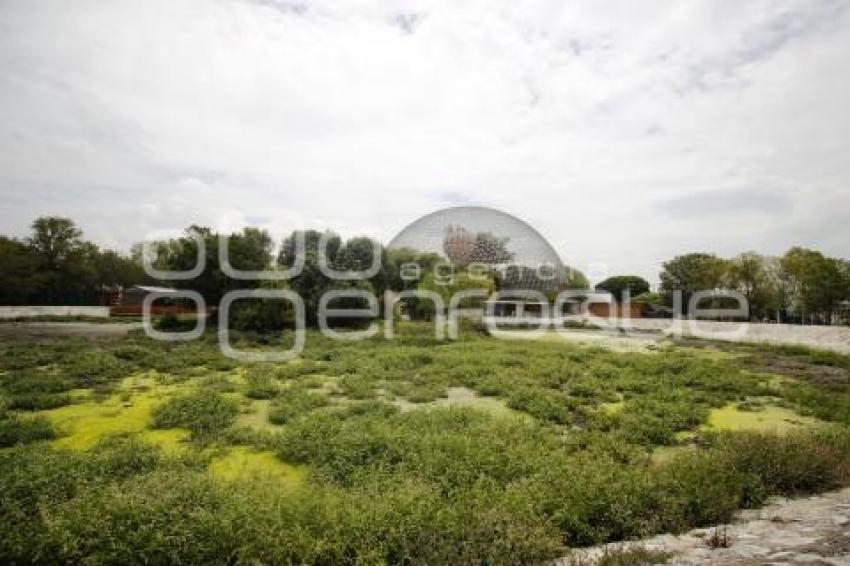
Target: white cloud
[{"x": 594, "y": 120}]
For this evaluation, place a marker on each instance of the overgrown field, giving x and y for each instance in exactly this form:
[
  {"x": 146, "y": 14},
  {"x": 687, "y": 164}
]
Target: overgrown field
[{"x": 411, "y": 450}]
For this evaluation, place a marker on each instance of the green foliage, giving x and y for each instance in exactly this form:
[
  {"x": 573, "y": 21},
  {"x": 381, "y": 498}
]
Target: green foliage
[
  {"x": 95, "y": 367},
  {"x": 802, "y": 286},
  {"x": 170, "y": 322},
  {"x": 543, "y": 404},
  {"x": 820, "y": 282},
  {"x": 261, "y": 385},
  {"x": 56, "y": 266},
  {"x": 23, "y": 430},
  {"x": 311, "y": 283},
  {"x": 36, "y": 479},
  {"x": 293, "y": 402},
  {"x": 789, "y": 465},
  {"x": 689, "y": 273},
  {"x": 33, "y": 389},
  {"x": 575, "y": 279},
  {"x": 461, "y": 281},
  {"x": 262, "y": 315},
  {"x": 204, "y": 413},
  {"x": 619, "y": 284},
  {"x": 572, "y": 463}
]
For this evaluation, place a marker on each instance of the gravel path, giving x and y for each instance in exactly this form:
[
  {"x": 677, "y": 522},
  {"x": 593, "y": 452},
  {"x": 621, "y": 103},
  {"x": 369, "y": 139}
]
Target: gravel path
[
  {"x": 813, "y": 531},
  {"x": 51, "y": 329}
]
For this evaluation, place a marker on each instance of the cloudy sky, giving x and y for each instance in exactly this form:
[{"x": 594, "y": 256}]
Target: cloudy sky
[{"x": 626, "y": 132}]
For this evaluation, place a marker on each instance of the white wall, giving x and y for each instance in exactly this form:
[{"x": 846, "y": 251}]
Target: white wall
[
  {"x": 828, "y": 337},
  {"x": 19, "y": 312}
]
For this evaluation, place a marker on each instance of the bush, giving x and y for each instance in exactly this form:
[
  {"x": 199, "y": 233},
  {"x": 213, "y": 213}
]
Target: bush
[
  {"x": 261, "y": 386},
  {"x": 38, "y": 401},
  {"x": 203, "y": 413},
  {"x": 17, "y": 430},
  {"x": 293, "y": 402},
  {"x": 262, "y": 316},
  {"x": 787, "y": 465},
  {"x": 543, "y": 404},
  {"x": 91, "y": 368},
  {"x": 163, "y": 517},
  {"x": 170, "y": 322},
  {"x": 32, "y": 478},
  {"x": 35, "y": 390},
  {"x": 121, "y": 457}
]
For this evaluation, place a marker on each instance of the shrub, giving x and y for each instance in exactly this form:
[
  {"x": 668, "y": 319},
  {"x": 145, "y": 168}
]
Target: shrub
[
  {"x": 543, "y": 404},
  {"x": 34, "y": 381},
  {"x": 262, "y": 316},
  {"x": 261, "y": 386},
  {"x": 357, "y": 387},
  {"x": 95, "y": 367},
  {"x": 33, "y": 390},
  {"x": 790, "y": 464},
  {"x": 162, "y": 517},
  {"x": 38, "y": 401},
  {"x": 120, "y": 457},
  {"x": 170, "y": 322},
  {"x": 203, "y": 413},
  {"x": 31, "y": 478},
  {"x": 18, "y": 430},
  {"x": 293, "y": 402}
]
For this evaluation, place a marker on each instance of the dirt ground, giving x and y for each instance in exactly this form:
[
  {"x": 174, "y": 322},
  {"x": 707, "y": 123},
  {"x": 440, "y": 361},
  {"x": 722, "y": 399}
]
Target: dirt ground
[{"x": 812, "y": 530}]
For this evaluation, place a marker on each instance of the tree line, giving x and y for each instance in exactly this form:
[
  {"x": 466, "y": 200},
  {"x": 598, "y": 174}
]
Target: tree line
[
  {"x": 801, "y": 286},
  {"x": 55, "y": 265}
]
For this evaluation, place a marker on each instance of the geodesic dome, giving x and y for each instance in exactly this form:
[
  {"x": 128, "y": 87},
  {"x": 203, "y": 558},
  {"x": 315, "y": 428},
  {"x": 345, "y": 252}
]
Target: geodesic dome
[{"x": 471, "y": 234}]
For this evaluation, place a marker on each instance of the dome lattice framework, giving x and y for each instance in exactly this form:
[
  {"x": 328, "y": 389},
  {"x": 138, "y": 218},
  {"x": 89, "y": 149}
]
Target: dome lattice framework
[{"x": 469, "y": 235}]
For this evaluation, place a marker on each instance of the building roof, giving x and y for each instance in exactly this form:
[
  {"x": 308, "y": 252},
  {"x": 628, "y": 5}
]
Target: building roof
[{"x": 152, "y": 289}]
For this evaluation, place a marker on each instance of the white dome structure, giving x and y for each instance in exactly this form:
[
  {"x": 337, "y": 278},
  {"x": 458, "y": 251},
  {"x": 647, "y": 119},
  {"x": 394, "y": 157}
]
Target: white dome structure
[{"x": 471, "y": 234}]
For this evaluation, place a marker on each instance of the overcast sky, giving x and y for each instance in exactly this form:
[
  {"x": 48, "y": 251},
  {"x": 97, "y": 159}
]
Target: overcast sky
[{"x": 625, "y": 132}]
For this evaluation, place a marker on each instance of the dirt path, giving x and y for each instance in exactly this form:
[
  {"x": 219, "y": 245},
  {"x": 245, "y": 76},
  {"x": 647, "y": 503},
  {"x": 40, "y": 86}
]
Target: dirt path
[
  {"x": 814, "y": 531},
  {"x": 55, "y": 329},
  {"x": 634, "y": 342}
]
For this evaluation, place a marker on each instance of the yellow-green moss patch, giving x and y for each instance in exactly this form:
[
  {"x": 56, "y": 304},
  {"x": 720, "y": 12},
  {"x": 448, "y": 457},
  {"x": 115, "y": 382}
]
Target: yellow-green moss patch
[
  {"x": 771, "y": 418},
  {"x": 612, "y": 408},
  {"x": 170, "y": 441},
  {"x": 467, "y": 398},
  {"x": 242, "y": 463},
  {"x": 83, "y": 425}
]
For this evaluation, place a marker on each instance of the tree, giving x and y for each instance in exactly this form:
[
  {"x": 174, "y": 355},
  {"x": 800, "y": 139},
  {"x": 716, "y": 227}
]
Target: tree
[
  {"x": 818, "y": 282},
  {"x": 18, "y": 264},
  {"x": 311, "y": 284},
  {"x": 689, "y": 273},
  {"x": 575, "y": 279},
  {"x": 113, "y": 269},
  {"x": 55, "y": 241},
  {"x": 249, "y": 250},
  {"x": 751, "y": 274},
  {"x": 461, "y": 281},
  {"x": 357, "y": 254},
  {"x": 56, "y": 266},
  {"x": 399, "y": 277},
  {"x": 618, "y": 284},
  {"x": 289, "y": 248}
]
